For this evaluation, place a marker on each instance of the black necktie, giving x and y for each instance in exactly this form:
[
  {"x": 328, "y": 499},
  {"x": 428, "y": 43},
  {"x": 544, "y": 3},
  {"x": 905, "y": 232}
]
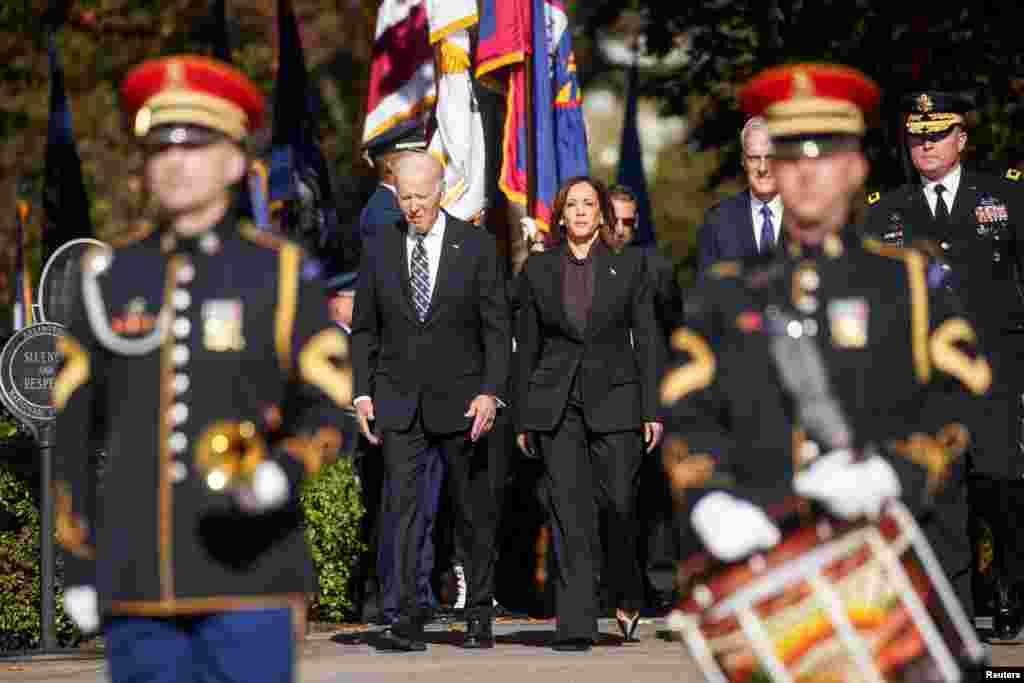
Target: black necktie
[
  {"x": 767, "y": 231},
  {"x": 941, "y": 210}
]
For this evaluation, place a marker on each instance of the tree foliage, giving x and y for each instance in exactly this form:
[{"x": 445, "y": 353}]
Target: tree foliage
[
  {"x": 100, "y": 40},
  {"x": 971, "y": 47}
]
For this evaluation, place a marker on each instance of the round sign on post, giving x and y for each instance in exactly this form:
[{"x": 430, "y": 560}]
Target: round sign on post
[{"x": 28, "y": 366}]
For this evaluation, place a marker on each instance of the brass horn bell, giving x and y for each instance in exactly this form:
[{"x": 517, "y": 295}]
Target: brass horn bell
[{"x": 227, "y": 454}]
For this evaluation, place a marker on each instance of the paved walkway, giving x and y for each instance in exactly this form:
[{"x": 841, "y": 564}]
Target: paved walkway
[{"x": 521, "y": 656}]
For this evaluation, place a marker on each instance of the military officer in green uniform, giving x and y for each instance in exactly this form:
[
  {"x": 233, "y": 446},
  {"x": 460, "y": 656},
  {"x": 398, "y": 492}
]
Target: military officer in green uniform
[
  {"x": 201, "y": 354},
  {"x": 837, "y": 372},
  {"x": 974, "y": 223}
]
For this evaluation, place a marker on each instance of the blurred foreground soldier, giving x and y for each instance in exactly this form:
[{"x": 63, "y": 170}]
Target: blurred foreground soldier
[
  {"x": 207, "y": 364},
  {"x": 974, "y": 221},
  {"x": 884, "y": 366}
]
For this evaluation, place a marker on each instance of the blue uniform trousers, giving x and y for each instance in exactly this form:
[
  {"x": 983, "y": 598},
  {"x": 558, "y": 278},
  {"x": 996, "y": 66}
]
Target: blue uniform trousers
[{"x": 245, "y": 646}]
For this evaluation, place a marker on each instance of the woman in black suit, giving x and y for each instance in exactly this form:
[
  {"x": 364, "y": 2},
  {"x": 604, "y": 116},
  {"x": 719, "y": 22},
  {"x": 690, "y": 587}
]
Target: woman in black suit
[{"x": 587, "y": 400}]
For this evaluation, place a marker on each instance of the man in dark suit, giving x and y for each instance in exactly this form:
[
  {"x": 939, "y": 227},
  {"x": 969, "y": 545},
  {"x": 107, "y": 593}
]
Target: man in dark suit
[
  {"x": 668, "y": 297},
  {"x": 974, "y": 222},
  {"x": 658, "y": 551},
  {"x": 747, "y": 223},
  {"x": 431, "y": 347},
  {"x": 381, "y": 212}
]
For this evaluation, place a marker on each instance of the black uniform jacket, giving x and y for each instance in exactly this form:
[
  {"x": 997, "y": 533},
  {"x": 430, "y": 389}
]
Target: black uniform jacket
[
  {"x": 167, "y": 337},
  {"x": 899, "y": 358},
  {"x": 982, "y": 248},
  {"x": 459, "y": 352},
  {"x": 619, "y": 376}
]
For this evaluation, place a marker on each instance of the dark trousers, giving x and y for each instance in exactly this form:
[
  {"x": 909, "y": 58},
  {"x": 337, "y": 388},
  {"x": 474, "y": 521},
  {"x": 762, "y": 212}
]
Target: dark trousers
[
  {"x": 582, "y": 465},
  {"x": 474, "y": 511},
  {"x": 388, "y": 548},
  {"x": 252, "y": 646},
  {"x": 945, "y": 527}
]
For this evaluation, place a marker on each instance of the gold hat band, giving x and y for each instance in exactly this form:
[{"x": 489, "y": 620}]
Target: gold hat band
[
  {"x": 190, "y": 107},
  {"x": 922, "y": 124},
  {"x": 814, "y": 116}
]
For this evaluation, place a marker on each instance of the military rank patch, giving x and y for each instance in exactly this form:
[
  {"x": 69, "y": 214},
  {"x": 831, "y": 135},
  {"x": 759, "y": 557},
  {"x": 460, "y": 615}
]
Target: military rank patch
[
  {"x": 848, "y": 322},
  {"x": 222, "y": 325},
  {"x": 874, "y": 197},
  {"x": 1013, "y": 174}
]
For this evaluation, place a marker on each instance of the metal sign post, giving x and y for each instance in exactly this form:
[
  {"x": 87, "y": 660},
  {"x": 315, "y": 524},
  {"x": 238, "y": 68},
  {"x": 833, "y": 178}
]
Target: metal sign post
[{"x": 28, "y": 365}]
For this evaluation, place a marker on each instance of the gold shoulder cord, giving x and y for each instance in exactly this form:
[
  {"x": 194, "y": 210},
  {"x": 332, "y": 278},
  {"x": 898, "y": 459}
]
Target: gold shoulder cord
[
  {"x": 919, "y": 314},
  {"x": 974, "y": 373},
  {"x": 74, "y": 374},
  {"x": 693, "y": 376}
]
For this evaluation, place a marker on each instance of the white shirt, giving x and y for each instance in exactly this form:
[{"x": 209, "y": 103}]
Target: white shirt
[
  {"x": 432, "y": 243},
  {"x": 775, "y": 207},
  {"x": 951, "y": 181}
]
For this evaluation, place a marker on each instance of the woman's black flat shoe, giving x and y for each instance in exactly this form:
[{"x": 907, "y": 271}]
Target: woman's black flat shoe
[
  {"x": 628, "y": 627},
  {"x": 573, "y": 645}
]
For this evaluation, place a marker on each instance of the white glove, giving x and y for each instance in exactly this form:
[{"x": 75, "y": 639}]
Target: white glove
[
  {"x": 269, "y": 489},
  {"x": 849, "y": 489},
  {"x": 529, "y": 228},
  {"x": 731, "y": 528},
  {"x": 81, "y": 604}
]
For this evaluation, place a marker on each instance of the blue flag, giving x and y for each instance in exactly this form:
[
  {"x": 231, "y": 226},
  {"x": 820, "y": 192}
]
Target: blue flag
[
  {"x": 631, "y": 165},
  {"x": 560, "y": 137},
  {"x": 299, "y": 177},
  {"x": 65, "y": 201}
]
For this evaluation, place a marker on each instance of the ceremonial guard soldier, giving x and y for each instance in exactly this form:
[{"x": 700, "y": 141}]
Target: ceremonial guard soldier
[
  {"x": 201, "y": 354},
  {"x": 838, "y": 371},
  {"x": 974, "y": 223}
]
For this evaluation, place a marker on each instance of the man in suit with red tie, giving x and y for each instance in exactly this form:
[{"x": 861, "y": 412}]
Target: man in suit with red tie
[
  {"x": 747, "y": 223},
  {"x": 431, "y": 350}
]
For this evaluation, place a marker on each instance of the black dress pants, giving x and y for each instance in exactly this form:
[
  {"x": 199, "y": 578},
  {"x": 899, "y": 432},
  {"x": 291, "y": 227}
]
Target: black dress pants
[
  {"x": 582, "y": 464},
  {"x": 475, "y": 515}
]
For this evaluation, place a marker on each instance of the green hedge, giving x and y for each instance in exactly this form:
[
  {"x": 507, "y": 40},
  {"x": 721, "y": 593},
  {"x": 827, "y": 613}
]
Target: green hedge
[
  {"x": 19, "y": 572},
  {"x": 334, "y": 511},
  {"x": 333, "y": 508}
]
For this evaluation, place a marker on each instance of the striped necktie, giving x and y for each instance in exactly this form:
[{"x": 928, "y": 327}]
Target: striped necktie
[{"x": 420, "y": 278}]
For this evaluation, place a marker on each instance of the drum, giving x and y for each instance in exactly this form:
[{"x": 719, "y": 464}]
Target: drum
[{"x": 833, "y": 602}]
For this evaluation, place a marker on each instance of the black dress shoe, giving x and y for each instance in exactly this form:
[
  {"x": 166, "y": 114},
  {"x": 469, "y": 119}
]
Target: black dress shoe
[
  {"x": 1006, "y": 623},
  {"x": 479, "y": 634},
  {"x": 392, "y": 640},
  {"x": 573, "y": 645}
]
